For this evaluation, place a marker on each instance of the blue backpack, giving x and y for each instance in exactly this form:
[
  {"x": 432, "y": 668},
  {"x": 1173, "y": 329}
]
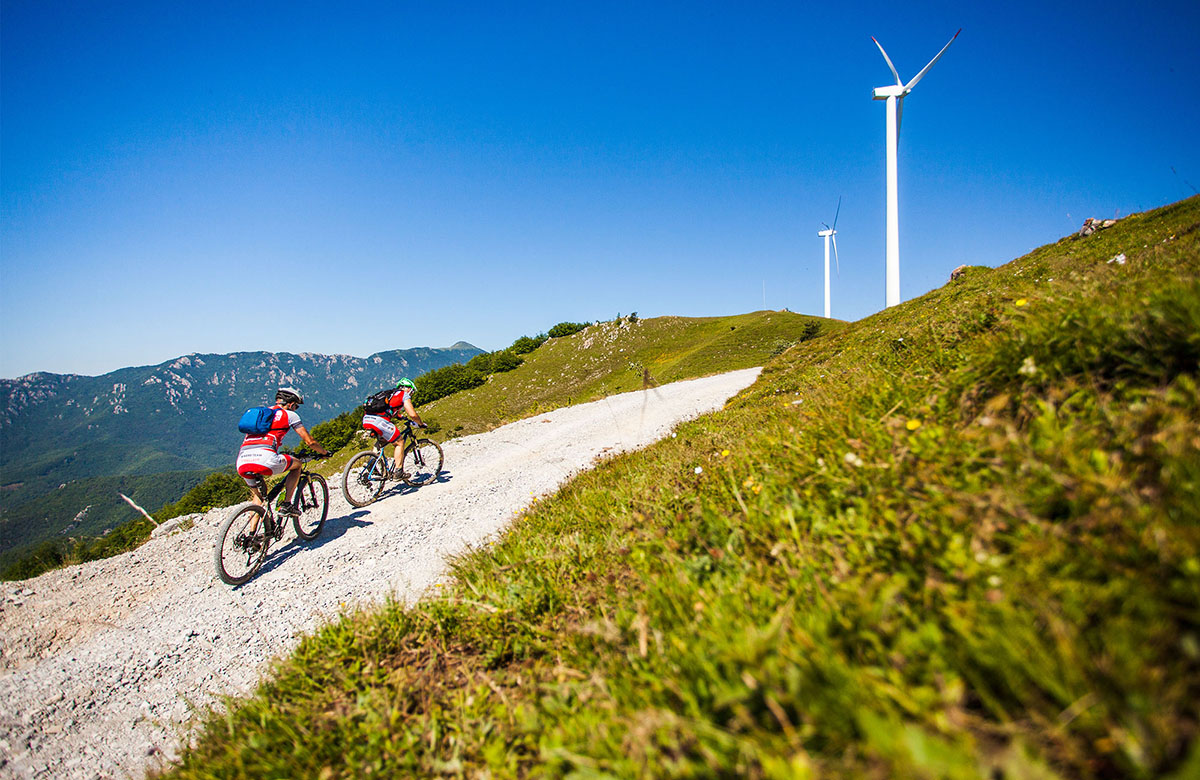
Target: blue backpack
[{"x": 257, "y": 420}]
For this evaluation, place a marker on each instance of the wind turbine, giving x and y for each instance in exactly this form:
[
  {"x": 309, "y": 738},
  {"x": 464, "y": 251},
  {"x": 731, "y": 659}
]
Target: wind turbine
[
  {"x": 829, "y": 233},
  {"x": 894, "y": 95}
]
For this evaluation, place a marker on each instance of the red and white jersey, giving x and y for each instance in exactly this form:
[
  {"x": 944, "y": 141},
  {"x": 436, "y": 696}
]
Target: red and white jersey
[
  {"x": 284, "y": 421},
  {"x": 397, "y": 399}
]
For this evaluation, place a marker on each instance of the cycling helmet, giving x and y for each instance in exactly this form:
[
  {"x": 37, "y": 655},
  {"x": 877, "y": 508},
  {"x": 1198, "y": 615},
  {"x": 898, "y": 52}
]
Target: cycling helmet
[
  {"x": 289, "y": 395},
  {"x": 406, "y": 382}
]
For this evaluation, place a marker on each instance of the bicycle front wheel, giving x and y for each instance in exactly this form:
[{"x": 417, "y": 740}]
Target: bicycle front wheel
[
  {"x": 312, "y": 499},
  {"x": 241, "y": 544},
  {"x": 364, "y": 477},
  {"x": 422, "y": 462}
]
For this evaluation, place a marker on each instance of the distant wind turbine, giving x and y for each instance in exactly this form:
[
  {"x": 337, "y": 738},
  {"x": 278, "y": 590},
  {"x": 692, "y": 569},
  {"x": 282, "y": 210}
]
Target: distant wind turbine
[
  {"x": 830, "y": 233},
  {"x": 894, "y": 95}
]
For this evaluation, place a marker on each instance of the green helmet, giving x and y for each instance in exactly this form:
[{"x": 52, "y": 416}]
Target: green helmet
[{"x": 406, "y": 382}]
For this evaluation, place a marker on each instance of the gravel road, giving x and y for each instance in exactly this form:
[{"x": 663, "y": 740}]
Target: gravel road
[{"x": 103, "y": 665}]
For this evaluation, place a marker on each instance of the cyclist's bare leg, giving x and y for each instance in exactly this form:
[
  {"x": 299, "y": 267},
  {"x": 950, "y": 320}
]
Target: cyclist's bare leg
[
  {"x": 256, "y": 498},
  {"x": 289, "y": 484}
]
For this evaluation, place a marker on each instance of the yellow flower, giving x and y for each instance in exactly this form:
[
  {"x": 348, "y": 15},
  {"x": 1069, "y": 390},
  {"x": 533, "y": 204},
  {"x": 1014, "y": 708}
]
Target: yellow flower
[
  {"x": 757, "y": 489},
  {"x": 724, "y": 453},
  {"x": 913, "y": 424},
  {"x": 1021, "y": 301},
  {"x": 748, "y": 483}
]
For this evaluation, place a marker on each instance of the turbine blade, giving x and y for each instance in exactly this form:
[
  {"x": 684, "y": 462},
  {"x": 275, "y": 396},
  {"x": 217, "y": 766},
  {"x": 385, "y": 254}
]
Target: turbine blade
[
  {"x": 888, "y": 60},
  {"x": 837, "y": 263},
  {"x": 826, "y": 224},
  {"x": 925, "y": 69},
  {"x": 835, "y": 214}
]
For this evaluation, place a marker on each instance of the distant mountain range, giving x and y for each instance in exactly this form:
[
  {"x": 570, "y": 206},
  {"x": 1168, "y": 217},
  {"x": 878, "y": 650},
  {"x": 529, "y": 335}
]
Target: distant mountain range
[{"x": 176, "y": 416}]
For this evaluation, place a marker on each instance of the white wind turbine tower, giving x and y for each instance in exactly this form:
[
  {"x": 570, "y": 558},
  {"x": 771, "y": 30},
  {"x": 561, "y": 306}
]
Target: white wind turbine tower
[
  {"x": 894, "y": 95},
  {"x": 829, "y": 233}
]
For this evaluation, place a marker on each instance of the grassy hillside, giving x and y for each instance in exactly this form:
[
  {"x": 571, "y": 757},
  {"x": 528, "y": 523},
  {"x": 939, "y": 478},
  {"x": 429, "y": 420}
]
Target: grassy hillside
[
  {"x": 959, "y": 538},
  {"x": 611, "y": 357}
]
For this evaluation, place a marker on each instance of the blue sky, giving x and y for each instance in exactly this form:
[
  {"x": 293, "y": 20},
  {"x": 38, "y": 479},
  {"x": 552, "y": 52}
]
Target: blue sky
[{"x": 400, "y": 174}]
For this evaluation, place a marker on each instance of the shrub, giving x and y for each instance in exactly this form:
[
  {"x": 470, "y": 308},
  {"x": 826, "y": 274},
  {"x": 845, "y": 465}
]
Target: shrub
[
  {"x": 566, "y": 329},
  {"x": 441, "y": 382},
  {"x": 481, "y": 363},
  {"x": 505, "y": 360},
  {"x": 48, "y": 555},
  {"x": 525, "y": 344}
]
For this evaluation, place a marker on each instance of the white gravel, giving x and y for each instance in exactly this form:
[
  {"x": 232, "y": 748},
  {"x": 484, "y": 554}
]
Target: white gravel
[{"x": 103, "y": 665}]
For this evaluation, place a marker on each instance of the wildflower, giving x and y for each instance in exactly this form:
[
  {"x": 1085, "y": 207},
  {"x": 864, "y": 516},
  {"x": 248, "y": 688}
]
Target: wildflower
[
  {"x": 851, "y": 459},
  {"x": 1021, "y": 302},
  {"x": 724, "y": 453},
  {"x": 913, "y": 424},
  {"x": 1028, "y": 367},
  {"x": 757, "y": 489},
  {"x": 698, "y": 470},
  {"x": 749, "y": 483}
]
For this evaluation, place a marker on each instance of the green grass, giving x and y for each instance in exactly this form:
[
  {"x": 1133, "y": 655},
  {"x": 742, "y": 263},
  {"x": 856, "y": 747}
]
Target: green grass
[
  {"x": 614, "y": 357},
  {"x": 955, "y": 539}
]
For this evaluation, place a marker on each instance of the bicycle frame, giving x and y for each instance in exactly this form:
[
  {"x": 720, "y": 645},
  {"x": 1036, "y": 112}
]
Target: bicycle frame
[
  {"x": 367, "y": 472},
  {"x": 268, "y": 498},
  {"x": 251, "y": 527},
  {"x": 408, "y": 438}
]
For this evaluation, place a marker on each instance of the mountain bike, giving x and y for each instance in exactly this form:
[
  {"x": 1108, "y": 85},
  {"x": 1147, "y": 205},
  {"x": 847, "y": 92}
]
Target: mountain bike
[
  {"x": 368, "y": 471},
  {"x": 249, "y": 530}
]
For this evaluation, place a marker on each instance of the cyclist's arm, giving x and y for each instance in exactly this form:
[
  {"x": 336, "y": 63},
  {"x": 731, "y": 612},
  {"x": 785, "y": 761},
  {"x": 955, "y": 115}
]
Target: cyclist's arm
[
  {"x": 307, "y": 438},
  {"x": 411, "y": 411}
]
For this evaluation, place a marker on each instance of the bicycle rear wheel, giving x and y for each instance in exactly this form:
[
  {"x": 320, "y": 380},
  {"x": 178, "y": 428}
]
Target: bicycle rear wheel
[
  {"x": 312, "y": 499},
  {"x": 241, "y": 544},
  {"x": 422, "y": 462},
  {"x": 364, "y": 477}
]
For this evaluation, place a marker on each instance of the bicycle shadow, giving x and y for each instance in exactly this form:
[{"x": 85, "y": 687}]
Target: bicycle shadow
[
  {"x": 404, "y": 489},
  {"x": 334, "y": 528}
]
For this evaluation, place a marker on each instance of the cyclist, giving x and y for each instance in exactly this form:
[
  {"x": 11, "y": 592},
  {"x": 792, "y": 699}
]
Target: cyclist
[
  {"x": 381, "y": 424},
  {"x": 260, "y": 455}
]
